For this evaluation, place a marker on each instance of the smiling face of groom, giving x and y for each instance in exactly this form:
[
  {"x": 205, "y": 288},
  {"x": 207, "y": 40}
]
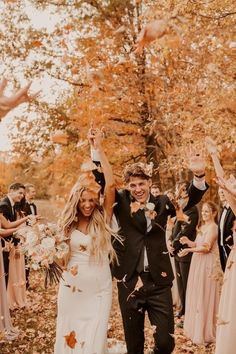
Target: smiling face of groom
[
  {"x": 16, "y": 192},
  {"x": 139, "y": 188}
]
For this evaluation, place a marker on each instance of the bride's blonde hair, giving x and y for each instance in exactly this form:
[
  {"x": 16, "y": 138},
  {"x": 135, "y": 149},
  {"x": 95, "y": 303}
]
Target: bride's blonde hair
[{"x": 98, "y": 228}]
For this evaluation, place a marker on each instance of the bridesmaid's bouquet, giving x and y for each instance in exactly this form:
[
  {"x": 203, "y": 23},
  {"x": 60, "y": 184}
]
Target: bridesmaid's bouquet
[{"x": 43, "y": 244}]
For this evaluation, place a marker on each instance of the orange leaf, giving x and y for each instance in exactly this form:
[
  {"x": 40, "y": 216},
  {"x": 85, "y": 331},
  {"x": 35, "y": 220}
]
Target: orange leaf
[
  {"x": 230, "y": 264},
  {"x": 71, "y": 340},
  {"x": 74, "y": 270},
  {"x": 82, "y": 248},
  {"x": 135, "y": 206},
  {"x": 59, "y": 137},
  {"x": 36, "y": 44}
]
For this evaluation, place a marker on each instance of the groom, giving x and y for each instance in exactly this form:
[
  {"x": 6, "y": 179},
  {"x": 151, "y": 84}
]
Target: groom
[{"x": 144, "y": 272}]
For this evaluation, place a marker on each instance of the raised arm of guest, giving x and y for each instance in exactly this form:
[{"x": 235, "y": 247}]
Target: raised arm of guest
[
  {"x": 12, "y": 224},
  {"x": 229, "y": 185},
  {"x": 7, "y": 103},
  {"x": 198, "y": 186}
]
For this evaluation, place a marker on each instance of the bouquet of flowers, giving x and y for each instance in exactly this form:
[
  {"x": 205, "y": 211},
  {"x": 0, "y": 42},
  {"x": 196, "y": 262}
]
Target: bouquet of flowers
[{"x": 43, "y": 244}]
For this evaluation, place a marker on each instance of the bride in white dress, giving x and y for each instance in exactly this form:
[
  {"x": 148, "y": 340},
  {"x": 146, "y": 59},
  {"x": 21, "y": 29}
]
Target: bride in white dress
[{"x": 85, "y": 291}]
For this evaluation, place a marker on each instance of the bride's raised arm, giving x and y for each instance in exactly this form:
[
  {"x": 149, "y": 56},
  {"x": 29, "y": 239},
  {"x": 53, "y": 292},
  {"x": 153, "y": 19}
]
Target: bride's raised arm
[{"x": 95, "y": 137}]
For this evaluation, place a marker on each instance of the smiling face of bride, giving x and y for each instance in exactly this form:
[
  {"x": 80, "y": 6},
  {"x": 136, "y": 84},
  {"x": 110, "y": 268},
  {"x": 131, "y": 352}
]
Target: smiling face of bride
[{"x": 87, "y": 203}]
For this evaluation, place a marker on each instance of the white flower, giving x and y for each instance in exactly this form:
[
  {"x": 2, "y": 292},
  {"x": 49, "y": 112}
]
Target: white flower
[
  {"x": 31, "y": 238},
  {"x": 150, "y": 206},
  {"x": 62, "y": 250},
  {"x": 48, "y": 243},
  {"x": 35, "y": 266}
]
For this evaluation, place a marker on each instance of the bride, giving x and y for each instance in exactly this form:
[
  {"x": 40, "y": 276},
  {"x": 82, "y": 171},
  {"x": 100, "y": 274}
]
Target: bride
[{"x": 85, "y": 291}]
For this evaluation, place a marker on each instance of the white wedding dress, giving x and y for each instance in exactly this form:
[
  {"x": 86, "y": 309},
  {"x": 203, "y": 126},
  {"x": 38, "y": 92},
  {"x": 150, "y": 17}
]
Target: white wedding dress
[{"x": 84, "y": 301}]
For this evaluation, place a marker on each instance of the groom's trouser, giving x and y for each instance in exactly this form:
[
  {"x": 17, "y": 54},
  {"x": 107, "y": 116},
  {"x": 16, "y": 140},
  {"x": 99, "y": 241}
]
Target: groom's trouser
[
  {"x": 157, "y": 301},
  {"x": 182, "y": 270}
]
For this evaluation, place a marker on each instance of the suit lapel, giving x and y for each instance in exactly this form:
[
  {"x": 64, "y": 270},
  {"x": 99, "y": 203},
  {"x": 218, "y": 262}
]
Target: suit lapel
[
  {"x": 139, "y": 220},
  {"x": 12, "y": 214}
]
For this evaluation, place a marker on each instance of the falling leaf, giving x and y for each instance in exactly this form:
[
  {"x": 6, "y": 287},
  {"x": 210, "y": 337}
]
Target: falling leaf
[
  {"x": 74, "y": 270},
  {"x": 229, "y": 264},
  {"x": 222, "y": 322},
  {"x": 152, "y": 31},
  {"x": 139, "y": 284},
  {"x": 59, "y": 137},
  {"x": 36, "y": 44},
  {"x": 71, "y": 340},
  {"x": 135, "y": 206},
  {"x": 83, "y": 248},
  {"x": 164, "y": 274}
]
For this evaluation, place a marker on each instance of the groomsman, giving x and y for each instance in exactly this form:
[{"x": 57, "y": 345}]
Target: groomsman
[
  {"x": 182, "y": 264},
  {"x": 16, "y": 192},
  {"x": 225, "y": 225},
  {"x": 144, "y": 273},
  {"x": 29, "y": 208}
]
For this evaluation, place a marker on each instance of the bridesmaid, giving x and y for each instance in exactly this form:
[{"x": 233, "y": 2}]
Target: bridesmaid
[
  {"x": 16, "y": 288},
  {"x": 203, "y": 289},
  {"x": 5, "y": 321}
]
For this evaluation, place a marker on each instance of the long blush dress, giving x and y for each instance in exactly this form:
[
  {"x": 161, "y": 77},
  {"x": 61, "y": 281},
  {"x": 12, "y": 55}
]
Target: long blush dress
[
  {"x": 5, "y": 321},
  {"x": 203, "y": 294},
  {"x": 84, "y": 301},
  {"x": 16, "y": 289},
  {"x": 226, "y": 326}
]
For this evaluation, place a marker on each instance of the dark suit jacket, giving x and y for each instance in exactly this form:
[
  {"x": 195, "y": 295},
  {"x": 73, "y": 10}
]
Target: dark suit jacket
[
  {"x": 227, "y": 232},
  {"x": 27, "y": 210},
  {"x": 133, "y": 229},
  {"x": 6, "y": 210},
  {"x": 185, "y": 229}
]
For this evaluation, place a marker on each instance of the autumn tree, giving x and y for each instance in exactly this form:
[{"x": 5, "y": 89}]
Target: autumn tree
[{"x": 153, "y": 105}]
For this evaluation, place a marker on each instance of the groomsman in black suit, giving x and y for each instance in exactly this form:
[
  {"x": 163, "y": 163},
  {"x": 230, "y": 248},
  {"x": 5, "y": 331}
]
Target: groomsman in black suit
[
  {"x": 29, "y": 208},
  {"x": 182, "y": 264},
  {"x": 144, "y": 273},
  {"x": 16, "y": 192},
  {"x": 225, "y": 225}
]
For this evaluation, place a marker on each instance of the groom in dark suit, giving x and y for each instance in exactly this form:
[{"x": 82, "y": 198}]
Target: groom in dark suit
[
  {"x": 144, "y": 272},
  {"x": 16, "y": 192},
  {"x": 225, "y": 233}
]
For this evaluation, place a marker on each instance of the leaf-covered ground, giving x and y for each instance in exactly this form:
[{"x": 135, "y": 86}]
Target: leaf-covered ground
[{"x": 37, "y": 325}]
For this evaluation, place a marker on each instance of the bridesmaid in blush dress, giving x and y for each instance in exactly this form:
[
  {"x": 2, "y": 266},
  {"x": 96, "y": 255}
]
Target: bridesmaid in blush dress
[
  {"x": 6, "y": 328},
  {"x": 226, "y": 324},
  {"x": 203, "y": 289},
  {"x": 85, "y": 291}
]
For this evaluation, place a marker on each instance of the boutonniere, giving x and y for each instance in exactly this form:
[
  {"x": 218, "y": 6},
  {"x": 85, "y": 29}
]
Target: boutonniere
[{"x": 148, "y": 209}]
